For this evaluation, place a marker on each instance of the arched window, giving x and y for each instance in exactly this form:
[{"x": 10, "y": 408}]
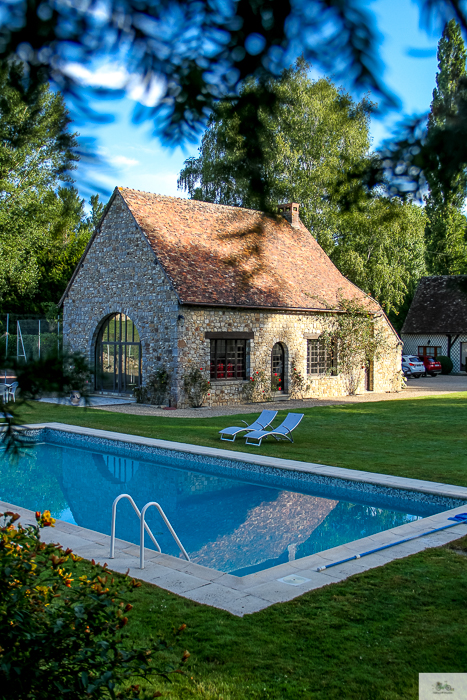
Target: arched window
[{"x": 118, "y": 355}]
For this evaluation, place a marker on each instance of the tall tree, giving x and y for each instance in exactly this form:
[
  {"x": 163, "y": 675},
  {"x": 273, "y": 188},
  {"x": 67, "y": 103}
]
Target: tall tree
[
  {"x": 446, "y": 229},
  {"x": 380, "y": 246},
  {"x": 313, "y": 139},
  {"x": 200, "y": 52},
  {"x": 314, "y": 133},
  {"x": 65, "y": 241},
  {"x": 43, "y": 228}
]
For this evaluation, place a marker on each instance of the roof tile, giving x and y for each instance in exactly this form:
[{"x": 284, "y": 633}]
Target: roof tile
[
  {"x": 439, "y": 306},
  {"x": 215, "y": 254}
]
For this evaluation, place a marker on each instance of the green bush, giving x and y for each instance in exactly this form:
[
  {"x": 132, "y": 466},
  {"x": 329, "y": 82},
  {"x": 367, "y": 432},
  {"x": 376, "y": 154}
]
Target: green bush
[
  {"x": 156, "y": 389},
  {"x": 61, "y": 633},
  {"x": 446, "y": 364},
  {"x": 195, "y": 386},
  {"x": 298, "y": 384}
]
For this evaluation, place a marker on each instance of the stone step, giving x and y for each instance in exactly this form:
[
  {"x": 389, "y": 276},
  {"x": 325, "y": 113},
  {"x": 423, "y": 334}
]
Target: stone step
[{"x": 281, "y": 397}]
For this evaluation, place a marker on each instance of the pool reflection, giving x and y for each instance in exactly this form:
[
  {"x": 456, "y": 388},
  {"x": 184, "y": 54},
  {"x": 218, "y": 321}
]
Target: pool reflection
[{"x": 223, "y": 523}]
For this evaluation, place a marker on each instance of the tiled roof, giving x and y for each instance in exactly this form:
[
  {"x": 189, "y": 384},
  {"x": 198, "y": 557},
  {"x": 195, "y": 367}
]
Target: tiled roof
[
  {"x": 209, "y": 252},
  {"x": 439, "y": 306}
]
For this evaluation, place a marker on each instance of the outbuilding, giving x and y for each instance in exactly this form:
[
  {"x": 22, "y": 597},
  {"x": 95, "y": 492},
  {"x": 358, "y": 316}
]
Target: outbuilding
[
  {"x": 437, "y": 320},
  {"x": 176, "y": 283}
]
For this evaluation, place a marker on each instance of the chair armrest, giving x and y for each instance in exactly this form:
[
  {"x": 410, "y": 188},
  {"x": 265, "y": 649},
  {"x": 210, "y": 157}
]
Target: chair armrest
[{"x": 243, "y": 421}]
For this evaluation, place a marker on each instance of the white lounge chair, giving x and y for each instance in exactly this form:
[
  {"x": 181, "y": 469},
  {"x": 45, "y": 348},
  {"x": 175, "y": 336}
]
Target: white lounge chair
[
  {"x": 282, "y": 432},
  {"x": 263, "y": 421},
  {"x": 11, "y": 393}
]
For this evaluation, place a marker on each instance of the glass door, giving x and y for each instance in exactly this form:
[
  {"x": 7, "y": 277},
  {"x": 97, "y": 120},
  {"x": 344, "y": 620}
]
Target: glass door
[
  {"x": 131, "y": 364},
  {"x": 278, "y": 367},
  {"x": 118, "y": 356},
  {"x": 110, "y": 366}
]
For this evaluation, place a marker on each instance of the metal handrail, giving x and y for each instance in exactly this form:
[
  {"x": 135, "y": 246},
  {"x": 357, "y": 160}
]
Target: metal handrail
[
  {"x": 114, "y": 515},
  {"x": 169, "y": 526},
  {"x": 144, "y": 526}
]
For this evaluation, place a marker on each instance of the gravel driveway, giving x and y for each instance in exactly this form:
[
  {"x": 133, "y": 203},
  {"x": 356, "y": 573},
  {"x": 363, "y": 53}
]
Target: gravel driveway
[{"x": 425, "y": 386}]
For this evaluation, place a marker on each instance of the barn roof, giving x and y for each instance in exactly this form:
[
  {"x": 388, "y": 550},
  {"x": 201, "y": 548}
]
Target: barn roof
[
  {"x": 229, "y": 256},
  {"x": 439, "y": 306}
]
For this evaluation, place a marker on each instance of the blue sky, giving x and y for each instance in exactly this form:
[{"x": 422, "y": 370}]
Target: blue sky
[{"x": 135, "y": 158}]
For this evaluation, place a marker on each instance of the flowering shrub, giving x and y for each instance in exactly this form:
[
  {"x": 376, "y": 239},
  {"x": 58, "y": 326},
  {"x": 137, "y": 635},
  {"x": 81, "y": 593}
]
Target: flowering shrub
[
  {"x": 61, "y": 633},
  {"x": 276, "y": 383},
  {"x": 258, "y": 388},
  {"x": 298, "y": 384},
  {"x": 195, "y": 386}
]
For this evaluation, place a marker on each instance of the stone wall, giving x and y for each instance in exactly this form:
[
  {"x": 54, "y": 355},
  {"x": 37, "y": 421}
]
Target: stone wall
[
  {"x": 120, "y": 274},
  {"x": 270, "y": 327}
]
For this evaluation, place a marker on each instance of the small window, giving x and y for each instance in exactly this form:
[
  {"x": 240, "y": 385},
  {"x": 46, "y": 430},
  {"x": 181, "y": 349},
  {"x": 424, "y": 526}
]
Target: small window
[
  {"x": 321, "y": 357},
  {"x": 429, "y": 350},
  {"x": 228, "y": 359}
]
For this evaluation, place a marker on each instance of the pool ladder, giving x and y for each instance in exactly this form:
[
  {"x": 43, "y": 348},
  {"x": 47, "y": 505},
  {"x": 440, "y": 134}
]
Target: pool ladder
[{"x": 143, "y": 526}]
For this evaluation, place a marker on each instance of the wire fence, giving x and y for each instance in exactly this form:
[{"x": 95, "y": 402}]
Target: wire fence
[{"x": 28, "y": 338}]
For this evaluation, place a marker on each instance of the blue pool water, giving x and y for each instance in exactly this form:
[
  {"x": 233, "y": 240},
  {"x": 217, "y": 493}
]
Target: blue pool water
[{"x": 231, "y": 524}]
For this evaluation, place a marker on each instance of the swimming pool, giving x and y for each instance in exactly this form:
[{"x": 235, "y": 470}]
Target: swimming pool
[{"x": 230, "y": 515}]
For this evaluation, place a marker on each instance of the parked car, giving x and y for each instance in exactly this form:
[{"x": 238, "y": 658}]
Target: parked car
[
  {"x": 414, "y": 364},
  {"x": 432, "y": 365},
  {"x": 406, "y": 371}
]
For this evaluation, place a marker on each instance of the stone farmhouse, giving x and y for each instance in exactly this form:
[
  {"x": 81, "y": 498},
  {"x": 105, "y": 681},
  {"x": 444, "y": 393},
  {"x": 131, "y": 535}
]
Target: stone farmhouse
[
  {"x": 176, "y": 283},
  {"x": 437, "y": 320}
]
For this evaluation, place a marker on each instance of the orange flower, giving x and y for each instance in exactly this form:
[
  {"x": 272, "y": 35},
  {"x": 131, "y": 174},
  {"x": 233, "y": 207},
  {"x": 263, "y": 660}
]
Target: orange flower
[{"x": 46, "y": 520}]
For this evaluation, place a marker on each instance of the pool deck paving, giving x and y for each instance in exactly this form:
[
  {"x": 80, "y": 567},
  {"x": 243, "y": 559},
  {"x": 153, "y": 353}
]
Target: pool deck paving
[{"x": 248, "y": 594}]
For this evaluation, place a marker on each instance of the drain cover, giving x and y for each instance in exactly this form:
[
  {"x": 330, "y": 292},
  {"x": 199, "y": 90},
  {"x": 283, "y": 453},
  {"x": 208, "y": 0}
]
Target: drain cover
[{"x": 293, "y": 580}]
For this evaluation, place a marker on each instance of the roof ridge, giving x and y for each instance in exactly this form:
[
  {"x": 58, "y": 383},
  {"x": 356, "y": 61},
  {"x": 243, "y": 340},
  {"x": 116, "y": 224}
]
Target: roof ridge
[
  {"x": 195, "y": 201},
  {"x": 227, "y": 269}
]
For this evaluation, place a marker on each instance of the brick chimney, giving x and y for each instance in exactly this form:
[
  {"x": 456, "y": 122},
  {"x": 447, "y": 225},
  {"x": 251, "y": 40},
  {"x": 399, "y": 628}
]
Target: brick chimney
[{"x": 290, "y": 212}]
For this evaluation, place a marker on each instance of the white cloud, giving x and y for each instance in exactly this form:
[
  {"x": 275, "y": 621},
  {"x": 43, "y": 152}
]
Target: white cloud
[
  {"x": 147, "y": 93},
  {"x": 102, "y": 77},
  {"x": 123, "y": 161}
]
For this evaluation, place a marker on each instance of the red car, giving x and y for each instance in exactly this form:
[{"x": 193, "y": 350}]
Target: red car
[{"x": 432, "y": 365}]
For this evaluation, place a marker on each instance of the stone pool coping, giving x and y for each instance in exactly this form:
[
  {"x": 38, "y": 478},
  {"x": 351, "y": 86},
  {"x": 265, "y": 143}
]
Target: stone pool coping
[{"x": 254, "y": 592}]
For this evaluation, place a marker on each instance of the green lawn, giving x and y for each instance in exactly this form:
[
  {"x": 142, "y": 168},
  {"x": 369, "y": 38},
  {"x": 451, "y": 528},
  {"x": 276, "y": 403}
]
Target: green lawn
[
  {"x": 367, "y": 638},
  {"x": 420, "y": 438}
]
